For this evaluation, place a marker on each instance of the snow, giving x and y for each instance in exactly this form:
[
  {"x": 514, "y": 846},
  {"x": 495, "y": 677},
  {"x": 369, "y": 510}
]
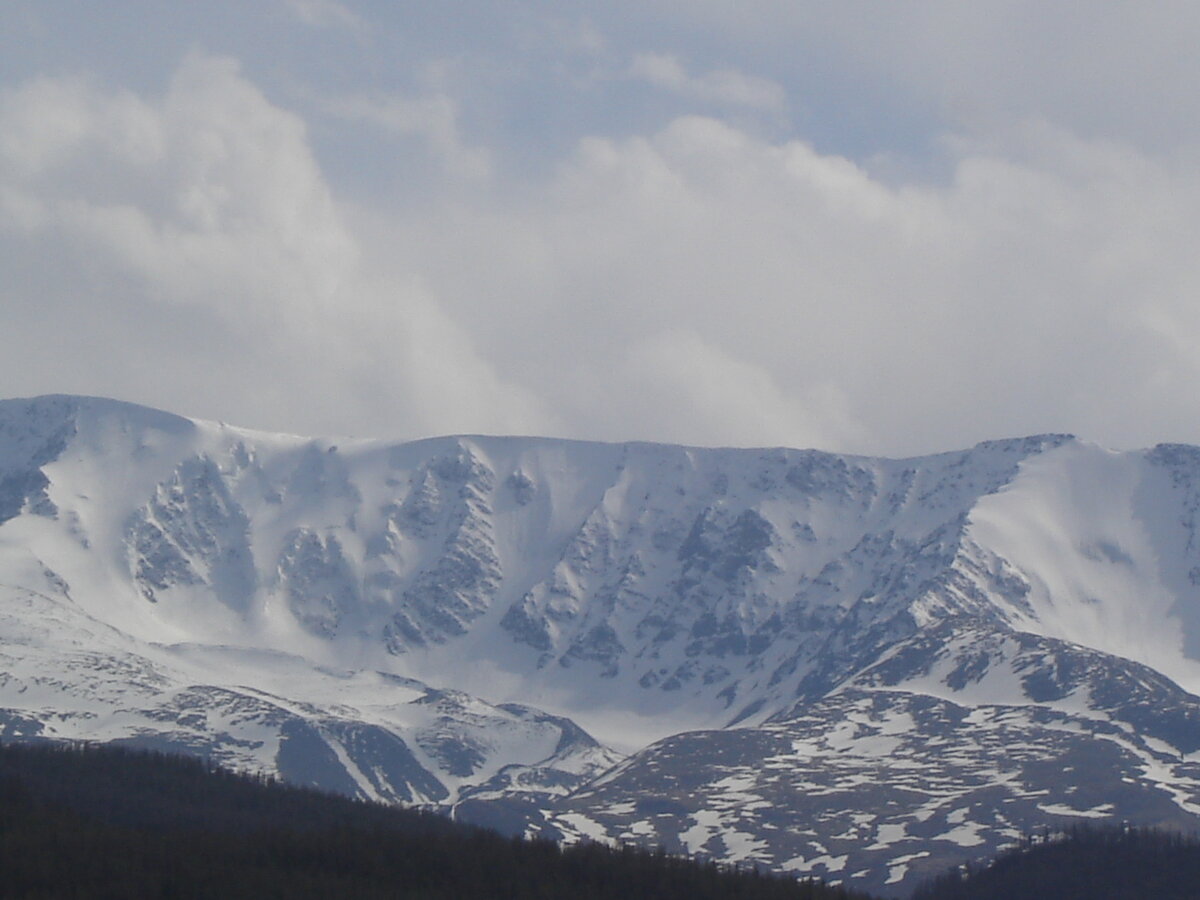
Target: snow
[
  {"x": 611, "y": 492},
  {"x": 967, "y": 834},
  {"x": 1103, "y": 811},
  {"x": 888, "y": 834},
  {"x": 587, "y": 828},
  {"x": 643, "y": 572},
  {"x": 899, "y": 867},
  {"x": 1079, "y": 523},
  {"x": 824, "y": 862},
  {"x": 707, "y": 824},
  {"x": 740, "y": 846}
]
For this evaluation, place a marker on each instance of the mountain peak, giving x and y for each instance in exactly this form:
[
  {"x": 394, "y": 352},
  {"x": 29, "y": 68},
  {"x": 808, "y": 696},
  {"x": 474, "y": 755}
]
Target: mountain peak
[{"x": 468, "y": 621}]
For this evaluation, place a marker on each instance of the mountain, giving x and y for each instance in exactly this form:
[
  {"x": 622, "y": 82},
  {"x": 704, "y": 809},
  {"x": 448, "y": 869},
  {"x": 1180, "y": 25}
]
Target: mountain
[{"x": 863, "y": 669}]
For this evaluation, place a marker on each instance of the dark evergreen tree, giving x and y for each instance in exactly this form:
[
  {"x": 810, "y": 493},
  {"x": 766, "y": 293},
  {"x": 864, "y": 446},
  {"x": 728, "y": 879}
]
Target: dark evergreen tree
[
  {"x": 1082, "y": 863},
  {"x": 88, "y": 822}
]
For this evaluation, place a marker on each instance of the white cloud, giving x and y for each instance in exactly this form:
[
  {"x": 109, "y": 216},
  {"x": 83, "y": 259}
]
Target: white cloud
[
  {"x": 210, "y": 195},
  {"x": 679, "y": 279},
  {"x": 695, "y": 390},
  {"x": 721, "y": 86},
  {"x": 207, "y": 252},
  {"x": 705, "y": 285}
]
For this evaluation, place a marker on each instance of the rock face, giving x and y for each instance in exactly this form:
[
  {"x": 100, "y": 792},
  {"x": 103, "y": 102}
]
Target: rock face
[{"x": 865, "y": 669}]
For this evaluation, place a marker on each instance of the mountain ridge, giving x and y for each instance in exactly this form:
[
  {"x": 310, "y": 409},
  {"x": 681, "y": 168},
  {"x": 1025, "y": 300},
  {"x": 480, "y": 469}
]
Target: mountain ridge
[{"x": 336, "y": 610}]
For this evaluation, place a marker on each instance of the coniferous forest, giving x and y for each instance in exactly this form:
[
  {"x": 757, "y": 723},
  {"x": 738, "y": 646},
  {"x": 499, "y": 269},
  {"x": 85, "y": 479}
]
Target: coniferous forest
[
  {"x": 94, "y": 822},
  {"x": 86, "y": 821},
  {"x": 1082, "y": 863}
]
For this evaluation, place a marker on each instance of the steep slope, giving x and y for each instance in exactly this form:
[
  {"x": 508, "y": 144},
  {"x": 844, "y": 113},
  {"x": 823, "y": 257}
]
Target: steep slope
[
  {"x": 961, "y": 740},
  {"x": 447, "y": 621},
  {"x": 636, "y": 578}
]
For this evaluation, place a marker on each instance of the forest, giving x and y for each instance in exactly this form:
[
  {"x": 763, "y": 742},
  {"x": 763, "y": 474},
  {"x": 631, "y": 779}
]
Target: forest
[
  {"x": 1081, "y": 863},
  {"x": 86, "y": 821},
  {"x": 89, "y": 821}
]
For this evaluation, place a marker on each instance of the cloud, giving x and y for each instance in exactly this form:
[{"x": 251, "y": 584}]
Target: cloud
[
  {"x": 721, "y": 86},
  {"x": 205, "y": 256},
  {"x": 705, "y": 285},
  {"x": 211, "y": 195},
  {"x": 1102, "y": 69},
  {"x": 325, "y": 14},
  {"x": 697, "y": 390},
  {"x": 665, "y": 277},
  {"x": 434, "y": 118}
]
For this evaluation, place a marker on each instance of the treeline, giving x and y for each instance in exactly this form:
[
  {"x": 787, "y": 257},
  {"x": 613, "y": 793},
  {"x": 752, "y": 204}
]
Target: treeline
[
  {"x": 97, "y": 822},
  {"x": 1082, "y": 863}
]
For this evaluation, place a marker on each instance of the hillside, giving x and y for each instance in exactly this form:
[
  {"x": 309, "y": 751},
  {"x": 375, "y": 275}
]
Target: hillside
[
  {"x": 1114, "y": 863},
  {"x": 96, "y": 822},
  {"x": 857, "y": 668}
]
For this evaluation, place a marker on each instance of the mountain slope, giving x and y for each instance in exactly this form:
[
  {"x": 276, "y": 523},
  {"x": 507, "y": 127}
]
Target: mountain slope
[
  {"x": 1083, "y": 863},
  {"x": 97, "y": 822},
  {"x": 449, "y": 621},
  {"x": 961, "y": 740}
]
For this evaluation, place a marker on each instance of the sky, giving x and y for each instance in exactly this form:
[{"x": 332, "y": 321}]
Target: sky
[{"x": 868, "y": 227}]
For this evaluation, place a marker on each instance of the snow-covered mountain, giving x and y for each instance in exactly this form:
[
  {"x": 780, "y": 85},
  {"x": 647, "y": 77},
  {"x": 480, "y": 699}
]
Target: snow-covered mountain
[{"x": 862, "y": 668}]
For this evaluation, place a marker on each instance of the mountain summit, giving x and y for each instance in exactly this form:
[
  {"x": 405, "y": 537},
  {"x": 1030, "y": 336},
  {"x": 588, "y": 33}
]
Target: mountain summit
[{"x": 863, "y": 669}]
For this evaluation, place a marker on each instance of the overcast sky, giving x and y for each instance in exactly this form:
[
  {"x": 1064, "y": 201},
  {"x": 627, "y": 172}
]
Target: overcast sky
[{"x": 871, "y": 227}]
